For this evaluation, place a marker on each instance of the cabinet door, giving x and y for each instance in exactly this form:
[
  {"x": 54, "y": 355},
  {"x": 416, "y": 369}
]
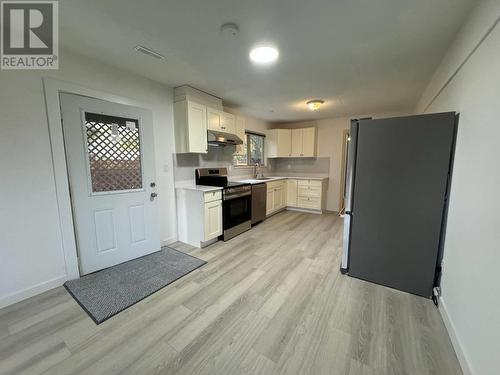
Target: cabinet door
[
  {"x": 240, "y": 132},
  {"x": 272, "y": 143},
  {"x": 269, "y": 201},
  {"x": 308, "y": 142},
  {"x": 284, "y": 143},
  {"x": 310, "y": 203},
  {"x": 278, "y": 198},
  {"x": 227, "y": 123},
  {"x": 213, "y": 220},
  {"x": 213, "y": 119},
  {"x": 291, "y": 193},
  {"x": 296, "y": 142},
  {"x": 197, "y": 128}
]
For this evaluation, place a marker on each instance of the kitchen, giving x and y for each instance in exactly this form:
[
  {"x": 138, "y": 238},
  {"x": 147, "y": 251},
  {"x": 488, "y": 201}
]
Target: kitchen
[
  {"x": 250, "y": 187},
  {"x": 248, "y": 195}
]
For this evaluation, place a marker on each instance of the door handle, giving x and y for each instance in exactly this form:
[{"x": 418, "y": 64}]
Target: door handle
[{"x": 153, "y": 196}]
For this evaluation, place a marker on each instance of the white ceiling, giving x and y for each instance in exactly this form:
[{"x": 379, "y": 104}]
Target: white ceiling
[{"x": 360, "y": 56}]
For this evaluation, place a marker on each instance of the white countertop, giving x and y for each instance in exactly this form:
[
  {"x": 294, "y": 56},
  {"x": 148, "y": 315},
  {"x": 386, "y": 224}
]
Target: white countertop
[
  {"x": 253, "y": 181},
  {"x": 191, "y": 186}
]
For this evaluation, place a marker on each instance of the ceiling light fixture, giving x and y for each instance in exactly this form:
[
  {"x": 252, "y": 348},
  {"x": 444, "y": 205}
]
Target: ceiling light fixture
[
  {"x": 264, "y": 55},
  {"x": 315, "y": 104},
  {"x": 149, "y": 52},
  {"x": 229, "y": 29}
]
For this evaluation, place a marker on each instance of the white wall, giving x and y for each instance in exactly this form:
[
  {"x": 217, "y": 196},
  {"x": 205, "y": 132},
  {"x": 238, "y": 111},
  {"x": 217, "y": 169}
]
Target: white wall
[
  {"x": 251, "y": 123},
  {"x": 31, "y": 257},
  {"x": 330, "y": 133},
  {"x": 471, "y": 301}
]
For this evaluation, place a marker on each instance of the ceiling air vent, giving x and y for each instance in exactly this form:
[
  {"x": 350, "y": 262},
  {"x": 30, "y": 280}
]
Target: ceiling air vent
[{"x": 149, "y": 52}]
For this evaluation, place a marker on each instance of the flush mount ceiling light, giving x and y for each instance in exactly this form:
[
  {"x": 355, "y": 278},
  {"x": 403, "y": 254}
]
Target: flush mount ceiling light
[
  {"x": 229, "y": 29},
  {"x": 264, "y": 54},
  {"x": 315, "y": 104},
  {"x": 149, "y": 52}
]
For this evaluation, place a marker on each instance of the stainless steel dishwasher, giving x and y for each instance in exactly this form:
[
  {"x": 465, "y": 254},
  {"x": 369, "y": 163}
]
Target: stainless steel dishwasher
[{"x": 259, "y": 195}]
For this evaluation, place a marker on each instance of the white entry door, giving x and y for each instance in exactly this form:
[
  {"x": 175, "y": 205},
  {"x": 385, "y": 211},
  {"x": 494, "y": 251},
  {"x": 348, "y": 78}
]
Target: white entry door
[{"x": 110, "y": 158}]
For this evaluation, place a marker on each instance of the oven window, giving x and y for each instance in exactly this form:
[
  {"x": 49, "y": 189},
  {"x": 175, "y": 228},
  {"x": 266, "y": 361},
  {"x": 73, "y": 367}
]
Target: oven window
[{"x": 236, "y": 211}]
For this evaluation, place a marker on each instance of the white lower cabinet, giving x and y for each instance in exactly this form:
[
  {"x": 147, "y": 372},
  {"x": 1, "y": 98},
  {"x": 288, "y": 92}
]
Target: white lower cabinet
[
  {"x": 306, "y": 194},
  {"x": 309, "y": 202},
  {"x": 279, "y": 198},
  {"x": 291, "y": 193},
  {"x": 199, "y": 216},
  {"x": 213, "y": 220},
  {"x": 311, "y": 194},
  {"x": 276, "y": 196},
  {"x": 296, "y": 193},
  {"x": 269, "y": 201}
]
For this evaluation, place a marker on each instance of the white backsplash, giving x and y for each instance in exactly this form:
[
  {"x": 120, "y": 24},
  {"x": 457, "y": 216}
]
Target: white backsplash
[
  {"x": 222, "y": 157},
  {"x": 284, "y": 166},
  {"x": 217, "y": 157}
]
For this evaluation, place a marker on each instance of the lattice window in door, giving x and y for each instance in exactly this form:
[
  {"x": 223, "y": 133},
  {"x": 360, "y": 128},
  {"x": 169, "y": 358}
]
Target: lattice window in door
[{"x": 114, "y": 152}]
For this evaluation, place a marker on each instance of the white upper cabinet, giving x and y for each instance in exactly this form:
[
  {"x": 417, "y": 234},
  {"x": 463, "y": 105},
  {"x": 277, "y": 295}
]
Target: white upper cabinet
[
  {"x": 228, "y": 123},
  {"x": 221, "y": 121},
  {"x": 295, "y": 143},
  {"x": 213, "y": 119},
  {"x": 279, "y": 143},
  {"x": 190, "y": 124},
  {"x": 308, "y": 142},
  {"x": 192, "y": 120}
]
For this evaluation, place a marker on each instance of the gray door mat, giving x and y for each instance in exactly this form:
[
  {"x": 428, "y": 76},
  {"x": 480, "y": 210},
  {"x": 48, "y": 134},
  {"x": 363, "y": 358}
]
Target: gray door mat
[{"x": 107, "y": 292}]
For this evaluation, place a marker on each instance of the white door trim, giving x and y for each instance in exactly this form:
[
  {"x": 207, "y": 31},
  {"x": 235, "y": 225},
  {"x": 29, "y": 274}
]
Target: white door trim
[{"x": 52, "y": 88}]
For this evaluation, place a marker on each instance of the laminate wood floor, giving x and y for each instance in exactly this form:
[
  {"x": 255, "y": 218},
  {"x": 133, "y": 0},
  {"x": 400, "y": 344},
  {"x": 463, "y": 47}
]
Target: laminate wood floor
[{"x": 270, "y": 301}]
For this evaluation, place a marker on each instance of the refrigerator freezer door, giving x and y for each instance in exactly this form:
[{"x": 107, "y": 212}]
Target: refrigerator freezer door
[{"x": 402, "y": 166}]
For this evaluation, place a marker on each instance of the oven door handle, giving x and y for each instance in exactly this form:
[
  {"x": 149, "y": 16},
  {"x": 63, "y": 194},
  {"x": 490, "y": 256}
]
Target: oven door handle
[{"x": 234, "y": 196}]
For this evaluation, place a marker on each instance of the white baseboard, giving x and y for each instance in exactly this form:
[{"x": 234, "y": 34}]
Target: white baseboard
[
  {"x": 450, "y": 327},
  {"x": 168, "y": 241},
  {"x": 31, "y": 291}
]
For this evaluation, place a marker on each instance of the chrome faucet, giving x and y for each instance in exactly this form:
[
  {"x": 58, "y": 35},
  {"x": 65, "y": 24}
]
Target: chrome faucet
[{"x": 258, "y": 171}]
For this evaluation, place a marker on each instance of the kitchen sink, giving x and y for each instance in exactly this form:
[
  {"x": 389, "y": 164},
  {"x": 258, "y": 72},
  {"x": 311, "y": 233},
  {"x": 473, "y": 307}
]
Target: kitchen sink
[{"x": 263, "y": 178}]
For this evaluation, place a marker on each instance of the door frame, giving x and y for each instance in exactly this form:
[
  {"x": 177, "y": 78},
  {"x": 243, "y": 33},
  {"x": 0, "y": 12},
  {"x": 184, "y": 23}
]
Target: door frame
[{"x": 52, "y": 88}]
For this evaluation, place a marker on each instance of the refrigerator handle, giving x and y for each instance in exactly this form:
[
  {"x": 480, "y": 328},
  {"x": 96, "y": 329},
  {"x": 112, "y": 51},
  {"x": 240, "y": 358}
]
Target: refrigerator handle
[
  {"x": 349, "y": 192},
  {"x": 351, "y": 165},
  {"x": 344, "y": 263}
]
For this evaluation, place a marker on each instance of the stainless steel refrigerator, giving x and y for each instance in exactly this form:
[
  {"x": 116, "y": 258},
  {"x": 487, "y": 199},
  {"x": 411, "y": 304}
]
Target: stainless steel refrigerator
[{"x": 396, "y": 187}]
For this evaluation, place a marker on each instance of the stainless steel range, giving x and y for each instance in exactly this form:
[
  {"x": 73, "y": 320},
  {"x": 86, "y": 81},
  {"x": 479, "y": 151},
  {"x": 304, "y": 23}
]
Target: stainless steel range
[{"x": 236, "y": 200}]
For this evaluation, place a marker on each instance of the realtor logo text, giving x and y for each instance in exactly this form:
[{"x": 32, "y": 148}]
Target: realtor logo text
[{"x": 29, "y": 35}]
